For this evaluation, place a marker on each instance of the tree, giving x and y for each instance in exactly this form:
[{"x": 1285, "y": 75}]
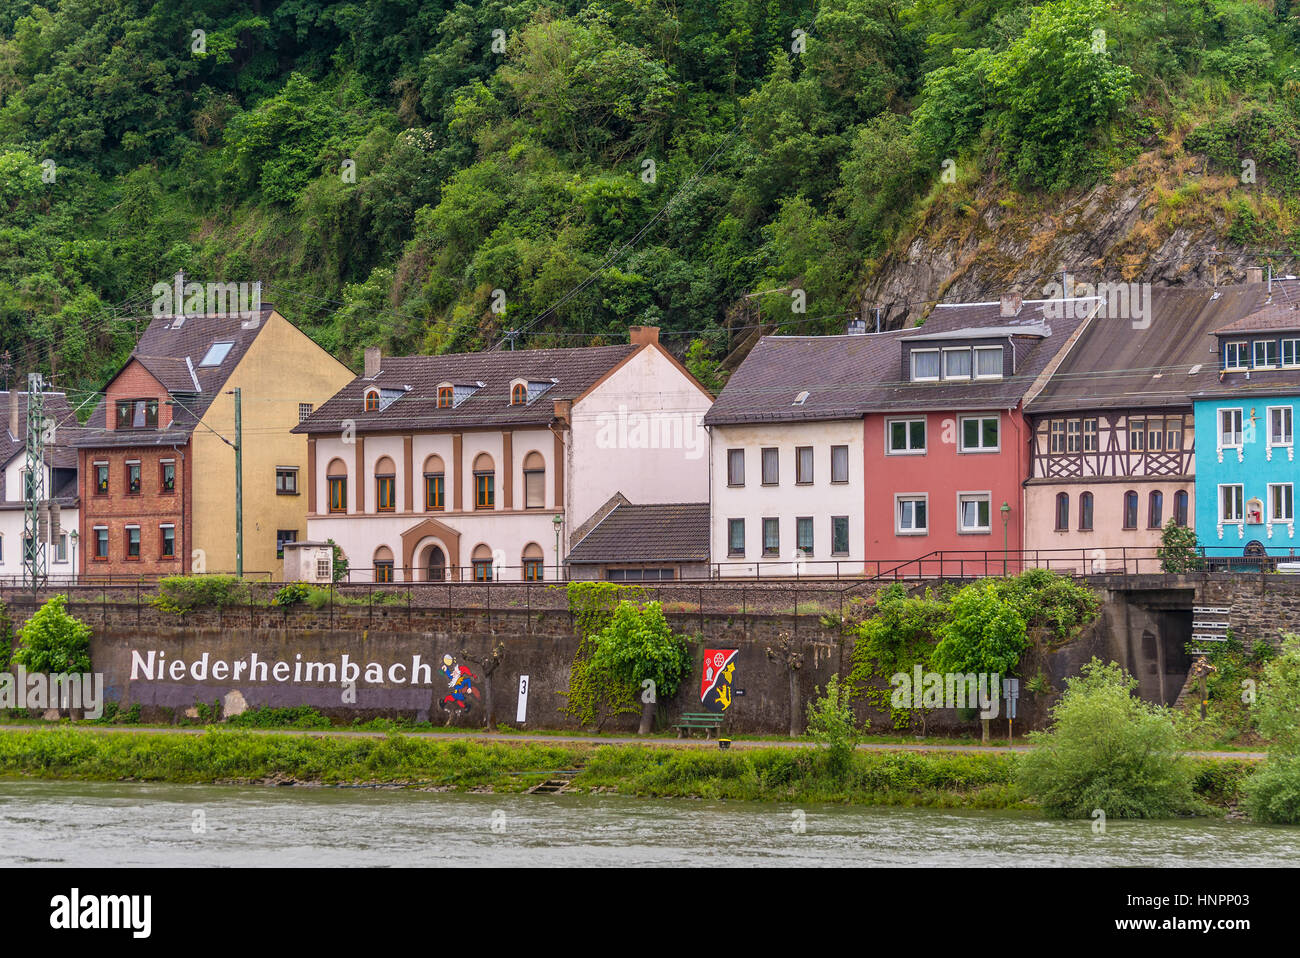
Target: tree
[
  {"x": 487, "y": 665},
  {"x": 1178, "y": 551},
  {"x": 984, "y": 634},
  {"x": 1107, "y": 750},
  {"x": 831, "y": 722},
  {"x": 789, "y": 654},
  {"x": 53, "y": 641},
  {"x": 638, "y": 648},
  {"x": 340, "y": 561}
]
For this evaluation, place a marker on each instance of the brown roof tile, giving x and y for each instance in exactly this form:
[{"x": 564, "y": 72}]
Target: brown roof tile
[{"x": 671, "y": 532}]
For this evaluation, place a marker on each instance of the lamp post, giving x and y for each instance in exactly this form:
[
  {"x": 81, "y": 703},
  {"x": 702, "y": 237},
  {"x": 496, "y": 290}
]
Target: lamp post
[
  {"x": 558, "y": 520},
  {"x": 1006, "y": 515},
  {"x": 72, "y": 539}
]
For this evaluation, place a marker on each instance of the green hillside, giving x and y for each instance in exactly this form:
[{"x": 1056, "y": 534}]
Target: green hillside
[{"x": 600, "y": 164}]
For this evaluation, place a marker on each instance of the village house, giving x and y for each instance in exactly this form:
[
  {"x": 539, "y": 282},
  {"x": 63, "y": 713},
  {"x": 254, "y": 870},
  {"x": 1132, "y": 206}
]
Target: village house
[
  {"x": 156, "y": 458},
  {"x": 485, "y": 465},
  {"x": 58, "y": 486}
]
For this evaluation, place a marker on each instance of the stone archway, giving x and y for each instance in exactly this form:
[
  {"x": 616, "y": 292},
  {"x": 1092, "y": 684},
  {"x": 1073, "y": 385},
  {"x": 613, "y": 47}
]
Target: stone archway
[{"x": 448, "y": 539}]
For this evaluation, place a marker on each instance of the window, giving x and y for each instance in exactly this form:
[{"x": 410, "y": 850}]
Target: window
[
  {"x": 988, "y": 362},
  {"x": 906, "y": 436},
  {"x": 29, "y": 486},
  {"x": 974, "y": 511},
  {"x": 337, "y": 477},
  {"x": 484, "y": 482},
  {"x": 286, "y": 481},
  {"x": 137, "y": 413},
  {"x": 1137, "y": 435},
  {"x": 1173, "y": 434},
  {"x": 216, "y": 354},
  {"x": 1090, "y": 435},
  {"x": 133, "y": 478},
  {"x": 101, "y": 478},
  {"x": 1265, "y": 353},
  {"x": 385, "y": 485},
  {"x": 519, "y": 395},
  {"x": 1229, "y": 428},
  {"x": 1155, "y": 435},
  {"x": 445, "y": 397},
  {"x": 910, "y": 515},
  {"x": 839, "y": 464},
  {"x": 956, "y": 364},
  {"x": 839, "y": 535},
  {"x": 167, "y": 547},
  {"x": 1130, "y": 510},
  {"x": 735, "y": 537},
  {"x": 1235, "y": 356},
  {"x": 771, "y": 537},
  {"x": 1279, "y": 425},
  {"x": 1291, "y": 352},
  {"x": 281, "y": 537},
  {"x": 771, "y": 467},
  {"x": 1062, "y": 512},
  {"x": 1180, "y": 507},
  {"x": 1073, "y": 436},
  {"x": 324, "y": 569},
  {"x": 1281, "y": 502},
  {"x": 167, "y": 475},
  {"x": 1056, "y": 442},
  {"x": 133, "y": 542},
  {"x": 803, "y": 535},
  {"x": 1155, "y": 509},
  {"x": 435, "y": 488},
  {"x": 304, "y": 411},
  {"x": 481, "y": 559},
  {"x": 925, "y": 365},
  {"x": 1085, "y": 512},
  {"x": 979, "y": 434},
  {"x": 534, "y": 481},
  {"x": 803, "y": 465},
  {"x": 61, "y": 549},
  {"x": 735, "y": 467},
  {"x": 101, "y": 543},
  {"x": 383, "y": 564},
  {"x": 1231, "y": 503},
  {"x": 532, "y": 560},
  {"x": 372, "y": 400}
]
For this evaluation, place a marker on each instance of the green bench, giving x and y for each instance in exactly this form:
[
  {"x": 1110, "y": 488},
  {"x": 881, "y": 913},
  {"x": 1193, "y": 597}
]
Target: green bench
[{"x": 705, "y": 720}]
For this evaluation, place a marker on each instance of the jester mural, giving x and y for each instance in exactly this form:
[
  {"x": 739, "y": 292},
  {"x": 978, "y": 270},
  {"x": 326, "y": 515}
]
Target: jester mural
[
  {"x": 717, "y": 679},
  {"x": 460, "y": 685}
]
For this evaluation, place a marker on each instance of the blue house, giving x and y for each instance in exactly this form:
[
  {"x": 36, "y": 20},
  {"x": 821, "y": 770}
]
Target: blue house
[{"x": 1245, "y": 407}]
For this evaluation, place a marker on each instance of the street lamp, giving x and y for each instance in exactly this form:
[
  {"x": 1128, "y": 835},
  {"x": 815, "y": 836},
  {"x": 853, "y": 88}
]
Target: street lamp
[
  {"x": 558, "y": 520},
  {"x": 1006, "y": 515},
  {"x": 72, "y": 539}
]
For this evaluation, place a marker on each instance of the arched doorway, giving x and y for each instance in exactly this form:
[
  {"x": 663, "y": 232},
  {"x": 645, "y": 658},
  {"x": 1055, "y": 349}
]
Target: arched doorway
[{"x": 434, "y": 563}]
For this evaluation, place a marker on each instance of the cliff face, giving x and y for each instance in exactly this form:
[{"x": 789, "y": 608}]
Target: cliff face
[{"x": 1163, "y": 219}]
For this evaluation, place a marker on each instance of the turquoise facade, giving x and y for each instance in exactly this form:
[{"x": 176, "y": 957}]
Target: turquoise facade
[{"x": 1247, "y": 474}]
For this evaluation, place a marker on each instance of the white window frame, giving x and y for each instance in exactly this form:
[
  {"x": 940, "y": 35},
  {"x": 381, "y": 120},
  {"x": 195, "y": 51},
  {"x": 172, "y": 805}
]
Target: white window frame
[
  {"x": 1294, "y": 361},
  {"x": 926, "y": 352},
  {"x": 1230, "y": 348},
  {"x": 1241, "y": 490},
  {"x": 970, "y": 360},
  {"x": 974, "y": 495},
  {"x": 899, "y": 499},
  {"x": 1255, "y": 351},
  {"x": 1241, "y": 424},
  {"x": 961, "y": 433},
  {"x": 975, "y": 365},
  {"x": 1272, "y": 441},
  {"x": 1281, "y": 519},
  {"x": 907, "y": 435},
  {"x": 1056, "y": 437}
]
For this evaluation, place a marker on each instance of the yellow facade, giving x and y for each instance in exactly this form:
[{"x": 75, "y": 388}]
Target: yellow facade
[{"x": 280, "y": 370}]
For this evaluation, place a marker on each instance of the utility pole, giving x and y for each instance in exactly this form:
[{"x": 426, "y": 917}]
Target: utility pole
[
  {"x": 239, "y": 488},
  {"x": 34, "y": 486}
]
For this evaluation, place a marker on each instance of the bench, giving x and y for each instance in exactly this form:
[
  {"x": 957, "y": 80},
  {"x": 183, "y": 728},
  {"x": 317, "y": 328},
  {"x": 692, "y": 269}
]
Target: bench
[{"x": 708, "y": 721}]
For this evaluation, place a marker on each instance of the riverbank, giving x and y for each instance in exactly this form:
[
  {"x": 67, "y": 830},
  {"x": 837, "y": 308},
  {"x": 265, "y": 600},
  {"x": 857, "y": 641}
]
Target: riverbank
[{"x": 935, "y": 778}]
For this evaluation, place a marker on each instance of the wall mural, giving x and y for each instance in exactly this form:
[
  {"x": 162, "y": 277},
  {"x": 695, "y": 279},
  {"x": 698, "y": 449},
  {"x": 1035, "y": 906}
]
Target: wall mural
[
  {"x": 460, "y": 685},
  {"x": 717, "y": 679}
]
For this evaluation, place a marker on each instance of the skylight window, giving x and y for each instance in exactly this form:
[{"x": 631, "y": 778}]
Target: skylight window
[{"x": 216, "y": 354}]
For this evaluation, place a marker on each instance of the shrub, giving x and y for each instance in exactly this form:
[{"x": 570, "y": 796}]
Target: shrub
[
  {"x": 6, "y": 637},
  {"x": 1178, "y": 551},
  {"x": 984, "y": 633},
  {"x": 53, "y": 641},
  {"x": 831, "y": 722},
  {"x": 298, "y": 716},
  {"x": 1272, "y": 794},
  {"x": 292, "y": 594},
  {"x": 180, "y": 594},
  {"x": 638, "y": 645},
  {"x": 1107, "y": 749}
]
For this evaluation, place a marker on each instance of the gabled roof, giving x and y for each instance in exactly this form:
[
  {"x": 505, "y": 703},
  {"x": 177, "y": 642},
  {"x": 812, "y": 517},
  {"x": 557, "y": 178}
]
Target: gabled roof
[
  {"x": 1278, "y": 315},
  {"x": 575, "y": 371},
  {"x": 671, "y": 532},
  {"x": 848, "y": 376},
  {"x": 172, "y": 354},
  {"x": 60, "y": 455}
]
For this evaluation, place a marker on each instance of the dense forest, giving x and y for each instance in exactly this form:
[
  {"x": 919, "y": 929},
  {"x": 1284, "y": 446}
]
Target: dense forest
[{"x": 429, "y": 174}]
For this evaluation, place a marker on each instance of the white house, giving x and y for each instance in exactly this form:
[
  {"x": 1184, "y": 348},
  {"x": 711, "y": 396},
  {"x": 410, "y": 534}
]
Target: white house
[
  {"x": 59, "y": 487},
  {"x": 484, "y": 465}
]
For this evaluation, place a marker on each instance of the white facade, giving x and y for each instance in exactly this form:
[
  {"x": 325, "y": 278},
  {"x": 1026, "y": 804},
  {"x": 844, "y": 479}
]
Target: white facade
[
  {"x": 637, "y": 432},
  {"x": 61, "y": 558},
  {"x": 822, "y": 503}
]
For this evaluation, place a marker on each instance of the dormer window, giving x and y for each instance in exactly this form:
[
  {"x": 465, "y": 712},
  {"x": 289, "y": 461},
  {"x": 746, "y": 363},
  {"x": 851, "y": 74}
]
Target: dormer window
[
  {"x": 925, "y": 365},
  {"x": 1265, "y": 353},
  {"x": 1236, "y": 356},
  {"x": 446, "y": 395},
  {"x": 372, "y": 400},
  {"x": 988, "y": 362},
  {"x": 519, "y": 394},
  {"x": 137, "y": 414},
  {"x": 956, "y": 363}
]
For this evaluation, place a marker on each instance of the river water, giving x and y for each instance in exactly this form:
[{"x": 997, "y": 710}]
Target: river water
[{"x": 101, "y": 824}]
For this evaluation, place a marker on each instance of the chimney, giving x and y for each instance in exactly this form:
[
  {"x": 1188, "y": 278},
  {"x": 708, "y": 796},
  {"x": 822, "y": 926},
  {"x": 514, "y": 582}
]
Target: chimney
[
  {"x": 372, "y": 362},
  {"x": 13, "y": 413},
  {"x": 643, "y": 335},
  {"x": 1011, "y": 303},
  {"x": 1254, "y": 274},
  {"x": 563, "y": 410}
]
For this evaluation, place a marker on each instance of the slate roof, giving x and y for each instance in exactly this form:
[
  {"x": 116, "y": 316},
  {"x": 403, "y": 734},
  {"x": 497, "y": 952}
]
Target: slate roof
[
  {"x": 61, "y": 455},
  {"x": 848, "y": 376},
  {"x": 575, "y": 370},
  {"x": 672, "y": 532},
  {"x": 172, "y": 352}
]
